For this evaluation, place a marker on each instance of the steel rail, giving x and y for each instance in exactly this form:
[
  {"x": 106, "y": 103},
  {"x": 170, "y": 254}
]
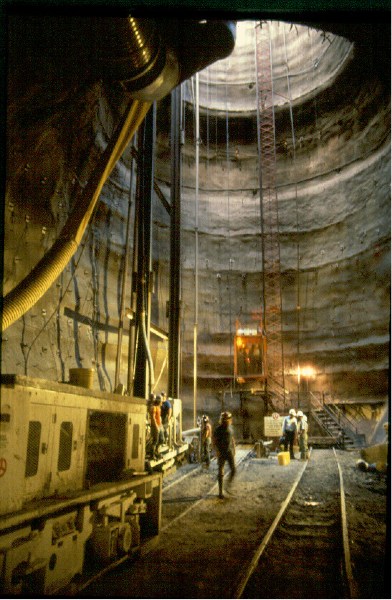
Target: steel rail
[
  {"x": 239, "y": 589},
  {"x": 172, "y": 483},
  {"x": 197, "y": 468},
  {"x": 194, "y": 504},
  {"x": 352, "y": 585},
  {"x": 77, "y": 586}
]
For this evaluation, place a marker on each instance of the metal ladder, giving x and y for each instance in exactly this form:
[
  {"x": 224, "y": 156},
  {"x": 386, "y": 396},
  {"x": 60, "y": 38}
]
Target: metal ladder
[{"x": 269, "y": 209}]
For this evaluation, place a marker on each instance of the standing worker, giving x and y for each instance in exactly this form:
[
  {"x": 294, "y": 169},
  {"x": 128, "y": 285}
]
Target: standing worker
[
  {"x": 166, "y": 414},
  {"x": 289, "y": 430},
  {"x": 158, "y": 428},
  {"x": 206, "y": 435},
  {"x": 302, "y": 427},
  {"x": 224, "y": 443},
  {"x": 152, "y": 437}
]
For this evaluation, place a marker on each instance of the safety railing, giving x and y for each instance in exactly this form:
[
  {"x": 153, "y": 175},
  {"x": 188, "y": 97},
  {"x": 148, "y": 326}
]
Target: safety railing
[
  {"x": 335, "y": 413},
  {"x": 343, "y": 420}
]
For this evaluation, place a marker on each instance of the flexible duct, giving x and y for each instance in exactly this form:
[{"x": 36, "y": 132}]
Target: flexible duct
[
  {"x": 134, "y": 52},
  {"x": 150, "y": 57},
  {"x": 33, "y": 287}
]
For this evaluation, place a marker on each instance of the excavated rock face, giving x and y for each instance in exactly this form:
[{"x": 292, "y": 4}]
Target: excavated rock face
[
  {"x": 332, "y": 174},
  {"x": 332, "y": 131}
]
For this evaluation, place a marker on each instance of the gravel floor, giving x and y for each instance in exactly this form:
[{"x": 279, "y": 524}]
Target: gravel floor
[{"x": 202, "y": 553}]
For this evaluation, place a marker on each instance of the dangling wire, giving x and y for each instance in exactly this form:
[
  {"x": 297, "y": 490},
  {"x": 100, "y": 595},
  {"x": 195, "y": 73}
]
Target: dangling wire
[
  {"x": 208, "y": 119},
  {"x": 298, "y": 307},
  {"x": 257, "y": 205},
  {"x": 56, "y": 309},
  {"x": 195, "y": 331},
  {"x": 231, "y": 261}
]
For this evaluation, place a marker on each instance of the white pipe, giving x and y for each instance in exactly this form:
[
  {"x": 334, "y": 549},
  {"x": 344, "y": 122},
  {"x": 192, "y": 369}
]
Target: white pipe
[{"x": 191, "y": 431}]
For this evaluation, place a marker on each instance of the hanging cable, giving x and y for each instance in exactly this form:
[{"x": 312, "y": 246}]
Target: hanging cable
[
  {"x": 56, "y": 310},
  {"x": 195, "y": 330},
  {"x": 269, "y": 207},
  {"x": 257, "y": 94},
  {"x": 208, "y": 120},
  {"x": 298, "y": 306},
  {"x": 231, "y": 260}
]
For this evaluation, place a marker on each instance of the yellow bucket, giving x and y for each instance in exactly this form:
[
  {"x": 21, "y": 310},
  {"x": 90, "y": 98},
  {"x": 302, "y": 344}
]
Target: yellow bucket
[
  {"x": 81, "y": 377},
  {"x": 283, "y": 458}
]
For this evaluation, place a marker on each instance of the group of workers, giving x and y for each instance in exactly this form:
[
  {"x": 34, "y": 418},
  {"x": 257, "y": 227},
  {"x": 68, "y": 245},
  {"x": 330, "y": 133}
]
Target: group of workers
[
  {"x": 295, "y": 427},
  {"x": 160, "y": 412},
  {"x": 221, "y": 437}
]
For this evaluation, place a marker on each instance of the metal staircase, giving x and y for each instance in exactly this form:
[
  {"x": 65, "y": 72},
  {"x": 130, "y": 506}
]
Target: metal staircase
[{"x": 336, "y": 425}]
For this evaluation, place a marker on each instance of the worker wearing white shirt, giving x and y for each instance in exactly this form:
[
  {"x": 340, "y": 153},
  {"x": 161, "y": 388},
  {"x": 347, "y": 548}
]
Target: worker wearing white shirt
[{"x": 289, "y": 431}]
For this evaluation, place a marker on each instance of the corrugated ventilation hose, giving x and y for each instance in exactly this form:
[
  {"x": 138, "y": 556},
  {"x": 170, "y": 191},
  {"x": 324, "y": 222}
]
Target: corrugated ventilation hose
[{"x": 23, "y": 297}]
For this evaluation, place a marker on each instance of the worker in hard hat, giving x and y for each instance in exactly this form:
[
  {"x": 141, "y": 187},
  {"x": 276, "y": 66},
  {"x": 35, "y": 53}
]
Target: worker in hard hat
[
  {"x": 289, "y": 431},
  {"x": 166, "y": 415},
  {"x": 302, "y": 429},
  {"x": 206, "y": 440},
  {"x": 223, "y": 440},
  {"x": 156, "y": 426}
]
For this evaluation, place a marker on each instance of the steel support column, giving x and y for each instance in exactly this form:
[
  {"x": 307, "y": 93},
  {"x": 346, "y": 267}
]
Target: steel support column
[
  {"x": 175, "y": 247},
  {"x": 144, "y": 373}
]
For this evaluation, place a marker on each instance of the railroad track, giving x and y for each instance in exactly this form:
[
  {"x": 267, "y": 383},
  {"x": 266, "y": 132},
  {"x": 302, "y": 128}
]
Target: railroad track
[
  {"x": 202, "y": 484},
  {"x": 211, "y": 548},
  {"x": 201, "y": 479},
  {"x": 305, "y": 552}
]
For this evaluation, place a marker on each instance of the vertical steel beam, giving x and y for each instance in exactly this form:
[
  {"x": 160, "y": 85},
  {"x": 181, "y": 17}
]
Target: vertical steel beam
[
  {"x": 144, "y": 373},
  {"x": 175, "y": 246},
  {"x": 124, "y": 279}
]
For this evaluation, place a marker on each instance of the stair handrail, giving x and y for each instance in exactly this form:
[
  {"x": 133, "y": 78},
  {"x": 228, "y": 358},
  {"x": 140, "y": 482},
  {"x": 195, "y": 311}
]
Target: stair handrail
[
  {"x": 320, "y": 422},
  {"x": 314, "y": 405},
  {"x": 277, "y": 384},
  {"x": 339, "y": 414},
  {"x": 333, "y": 407},
  {"x": 336, "y": 414},
  {"x": 315, "y": 402}
]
